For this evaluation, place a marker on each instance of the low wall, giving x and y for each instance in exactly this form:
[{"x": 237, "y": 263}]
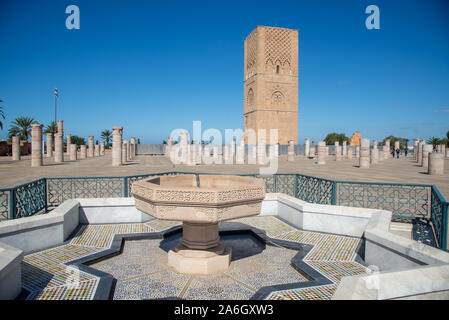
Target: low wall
[
  {"x": 10, "y": 271},
  {"x": 110, "y": 210},
  {"x": 41, "y": 231},
  {"x": 340, "y": 220}
]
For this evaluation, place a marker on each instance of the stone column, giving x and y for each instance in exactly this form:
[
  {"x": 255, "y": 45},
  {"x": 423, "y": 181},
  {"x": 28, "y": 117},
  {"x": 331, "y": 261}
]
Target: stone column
[
  {"x": 59, "y": 147},
  {"x": 90, "y": 150},
  {"x": 344, "y": 153},
  {"x": 415, "y": 149},
  {"x": 101, "y": 148},
  {"x": 364, "y": 153},
  {"x": 291, "y": 151},
  {"x": 387, "y": 149},
  {"x": 68, "y": 143},
  {"x": 184, "y": 147},
  {"x": 134, "y": 146},
  {"x": 327, "y": 151},
  {"x": 73, "y": 151},
  {"x": 124, "y": 151},
  {"x": 307, "y": 148},
  {"x": 312, "y": 153},
  {"x": 427, "y": 149},
  {"x": 321, "y": 156},
  {"x": 436, "y": 163},
  {"x": 396, "y": 145},
  {"x": 215, "y": 155},
  {"x": 83, "y": 151},
  {"x": 167, "y": 147},
  {"x": 349, "y": 153},
  {"x": 374, "y": 153},
  {"x": 60, "y": 126},
  {"x": 337, "y": 151},
  {"x": 357, "y": 152},
  {"x": 447, "y": 154},
  {"x": 97, "y": 150},
  {"x": 36, "y": 145},
  {"x": 233, "y": 149},
  {"x": 49, "y": 145},
  {"x": 15, "y": 148},
  {"x": 380, "y": 153},
  {"x": 240, "y": 152},
  {"x": 128, "y": 150},
  {"x": 419, "y": 154},
  {"x": 117, "y": 146}
]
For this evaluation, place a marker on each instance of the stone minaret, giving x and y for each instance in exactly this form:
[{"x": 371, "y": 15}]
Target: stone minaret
[{"x": 271, "y": 82}]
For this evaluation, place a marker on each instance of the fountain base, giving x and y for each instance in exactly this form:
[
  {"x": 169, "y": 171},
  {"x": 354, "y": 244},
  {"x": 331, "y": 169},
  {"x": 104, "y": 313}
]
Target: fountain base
[{"x": 206, "y": 261}]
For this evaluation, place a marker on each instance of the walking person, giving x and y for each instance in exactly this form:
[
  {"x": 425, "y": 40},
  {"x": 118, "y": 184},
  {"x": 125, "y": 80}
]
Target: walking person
[{"x": 397, "y": 153}]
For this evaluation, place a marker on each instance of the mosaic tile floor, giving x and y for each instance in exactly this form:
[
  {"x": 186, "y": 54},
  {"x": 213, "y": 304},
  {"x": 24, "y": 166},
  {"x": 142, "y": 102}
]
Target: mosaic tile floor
[{"x": 142, "y": 273}]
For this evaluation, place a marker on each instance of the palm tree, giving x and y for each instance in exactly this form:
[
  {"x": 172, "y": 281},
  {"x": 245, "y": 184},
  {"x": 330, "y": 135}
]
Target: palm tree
[
  {"x": 22, "y": 127},
  {"x": 106, "y": 135},
  {"x": 51, "y": 128},
  {"x": 2, "y": 114}
]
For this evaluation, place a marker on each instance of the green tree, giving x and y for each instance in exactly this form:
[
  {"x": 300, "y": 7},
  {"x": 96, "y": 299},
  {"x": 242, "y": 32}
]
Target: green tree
[
  {"x": 2, "y": 114},
  {"x": 434, "y": 141},
  {"x": 51, "y": 128},
  {"x": 333, "y": 137},
  {"x": 21, "y": 127},
  {"x": 106, "y": 136},
  {"x": 403, "y": 142},
  {"x": 447, "y": 135},
  {"x": 78, "y": 141}
]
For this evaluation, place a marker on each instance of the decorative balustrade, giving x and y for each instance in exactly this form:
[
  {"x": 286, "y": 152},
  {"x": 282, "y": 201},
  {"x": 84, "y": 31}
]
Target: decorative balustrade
[{"x": 406, "y": 201}]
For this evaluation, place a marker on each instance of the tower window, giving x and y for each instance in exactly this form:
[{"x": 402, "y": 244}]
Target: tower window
[{"x": 277, "y": 69}]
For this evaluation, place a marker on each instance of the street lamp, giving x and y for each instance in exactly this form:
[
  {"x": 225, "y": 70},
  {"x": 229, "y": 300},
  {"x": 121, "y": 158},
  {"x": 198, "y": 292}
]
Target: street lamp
[{"x": 56, "y": 97}]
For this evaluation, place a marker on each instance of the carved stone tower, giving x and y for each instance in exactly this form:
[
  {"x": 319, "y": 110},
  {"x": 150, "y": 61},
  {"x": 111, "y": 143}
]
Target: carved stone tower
[{"x": 271, "y": 82}]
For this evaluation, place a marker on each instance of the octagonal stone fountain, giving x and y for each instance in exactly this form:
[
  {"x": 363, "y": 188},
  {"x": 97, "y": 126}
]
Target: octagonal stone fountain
[{"x": 200, "y": 202}]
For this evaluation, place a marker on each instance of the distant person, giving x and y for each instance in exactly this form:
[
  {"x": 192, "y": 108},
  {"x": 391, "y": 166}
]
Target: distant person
[
  {"x": 392, "y": 152},
  {"x": 405, "y": 152},
  {"x": 397, "y": 153}
]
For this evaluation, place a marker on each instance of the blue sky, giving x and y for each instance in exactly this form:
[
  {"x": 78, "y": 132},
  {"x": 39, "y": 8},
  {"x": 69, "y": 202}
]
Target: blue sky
[{"x": 153, "y": 66}]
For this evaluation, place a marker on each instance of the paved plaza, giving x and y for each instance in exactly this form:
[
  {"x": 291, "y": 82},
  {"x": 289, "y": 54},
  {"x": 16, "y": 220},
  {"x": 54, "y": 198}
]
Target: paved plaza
[{"x": 402, "y": 170}]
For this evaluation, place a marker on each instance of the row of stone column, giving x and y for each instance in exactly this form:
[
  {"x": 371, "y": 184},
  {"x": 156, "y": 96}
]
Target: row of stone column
[
  {"x": 36, "y": 146},
  {"x": 122, "y": 150},
  {"x": 425, "y": 156},
  {"x": 363, "y": 153},
  {"x": 194, "y": 154}
]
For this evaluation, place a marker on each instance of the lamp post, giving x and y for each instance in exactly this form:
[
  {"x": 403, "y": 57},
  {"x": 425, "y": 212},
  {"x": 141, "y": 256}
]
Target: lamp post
[{"x": 56, "y": 97}]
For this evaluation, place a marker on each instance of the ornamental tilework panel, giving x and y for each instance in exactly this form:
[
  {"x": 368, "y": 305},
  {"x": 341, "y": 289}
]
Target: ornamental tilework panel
[
  {"x": 335, "y": 270},
  {"x": 157, "y": 285},
  {"x": 271, "y": 225},
  {"x": 310, "y": 293},
  {"x": 82, "y": 291},
  {"x": 101, "y": 236},
  {"x": 161, "y": 225},
  {"x": 46, "y": 276},
  {"x": 216, "y": 287},
  {"x": 334, "y": 248}
]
